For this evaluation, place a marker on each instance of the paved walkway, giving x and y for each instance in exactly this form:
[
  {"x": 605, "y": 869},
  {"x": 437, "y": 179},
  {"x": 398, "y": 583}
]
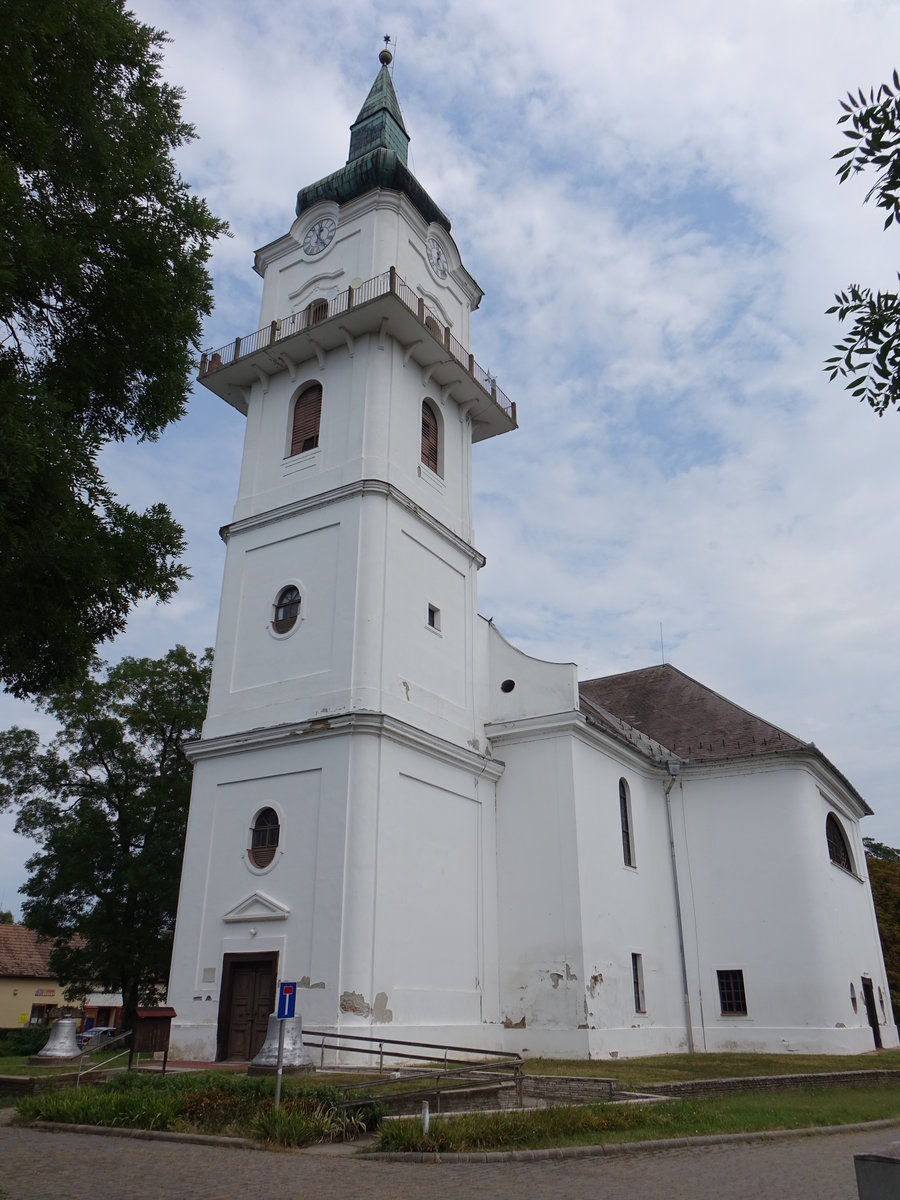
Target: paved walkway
[{"x": 39, "y": 1165}]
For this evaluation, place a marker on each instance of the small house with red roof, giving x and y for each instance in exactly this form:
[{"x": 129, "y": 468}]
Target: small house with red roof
[{"x": 29, "y": 992}]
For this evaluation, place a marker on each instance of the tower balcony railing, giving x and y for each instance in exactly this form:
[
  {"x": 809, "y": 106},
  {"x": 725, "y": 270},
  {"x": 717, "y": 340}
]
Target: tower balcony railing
[{"x": 387, "y": 283}]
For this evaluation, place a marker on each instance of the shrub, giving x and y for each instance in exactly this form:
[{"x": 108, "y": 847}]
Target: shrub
[
  {"x": 208, "y": 1102},
  {"x": 26, "y": 1040}
]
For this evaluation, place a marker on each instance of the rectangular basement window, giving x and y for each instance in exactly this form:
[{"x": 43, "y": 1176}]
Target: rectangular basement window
[
  {"x": 637, "y": 979},
  {"x": 732, "y": 996}
]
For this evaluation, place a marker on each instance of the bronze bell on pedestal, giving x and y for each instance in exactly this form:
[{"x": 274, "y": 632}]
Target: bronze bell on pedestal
[
  {"x": 295, "y": 1060},
  {"x": 62, "y": 1042}
]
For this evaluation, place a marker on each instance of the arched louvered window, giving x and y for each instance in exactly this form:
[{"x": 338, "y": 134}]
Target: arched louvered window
[
  {"x": 838, "y": 850},
  {"x": 430, "y": 438},
  {"x": 307, "y": 415},
  {"x": 264, "y": 837},
  {"x": 316, "y": 311}
]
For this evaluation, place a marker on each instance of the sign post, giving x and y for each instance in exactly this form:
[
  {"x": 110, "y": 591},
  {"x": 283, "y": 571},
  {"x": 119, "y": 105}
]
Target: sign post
[{"x": 287, "y": 999}]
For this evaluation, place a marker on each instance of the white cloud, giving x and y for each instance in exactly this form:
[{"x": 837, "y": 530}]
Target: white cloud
[{"x": 646, "y": 194}]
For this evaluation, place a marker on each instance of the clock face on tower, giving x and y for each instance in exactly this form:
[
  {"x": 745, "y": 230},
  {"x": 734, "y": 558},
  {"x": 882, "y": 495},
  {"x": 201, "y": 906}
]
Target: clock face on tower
[
  {"x": 437, "y": 258},
  {"x": 319, "y": 236}
]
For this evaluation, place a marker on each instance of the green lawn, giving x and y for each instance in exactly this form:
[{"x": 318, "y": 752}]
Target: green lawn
[
  {"x": 596, "y": 1124},
  {"x": 666, "y": 1068}
]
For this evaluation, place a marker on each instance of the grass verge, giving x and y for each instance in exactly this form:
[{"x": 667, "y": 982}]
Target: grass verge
[
  {"x": 666, "y": 1068},
  {"x": 595, "y": 1124}
]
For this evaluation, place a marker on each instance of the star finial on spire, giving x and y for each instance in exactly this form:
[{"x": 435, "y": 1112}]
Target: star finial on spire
[{"x": 385, "y": 56}]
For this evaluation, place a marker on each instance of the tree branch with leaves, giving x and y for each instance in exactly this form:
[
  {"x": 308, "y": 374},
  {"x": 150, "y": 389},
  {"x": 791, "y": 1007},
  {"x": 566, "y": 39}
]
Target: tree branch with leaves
[
  {"x": 103, "y": 287},
  {"x": 868, "y": 357}
]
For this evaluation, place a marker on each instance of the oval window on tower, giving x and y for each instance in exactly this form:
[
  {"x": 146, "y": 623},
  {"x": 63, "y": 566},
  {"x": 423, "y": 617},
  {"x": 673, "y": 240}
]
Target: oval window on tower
[
  {"x": 287, "y": 609},
  {"x": 264, "y": 837}
]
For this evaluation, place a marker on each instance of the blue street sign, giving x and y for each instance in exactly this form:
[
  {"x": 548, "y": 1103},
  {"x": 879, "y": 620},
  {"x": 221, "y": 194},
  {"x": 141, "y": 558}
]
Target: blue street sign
[{"x": 287, "y": 998}]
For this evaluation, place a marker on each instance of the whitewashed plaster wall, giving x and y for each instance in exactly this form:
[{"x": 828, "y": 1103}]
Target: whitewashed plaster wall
[
  {"x": 626, "y": 909},
  {"x": 541, "y": 948},
  {"x": 381, "y": 899},
  {"x": 760, "y": 895},
  {"x": 371, "y": 428},
  {"x": 375, "y": 232}
]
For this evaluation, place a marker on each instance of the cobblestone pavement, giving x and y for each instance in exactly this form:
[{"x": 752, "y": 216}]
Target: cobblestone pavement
[{"x": 39, "y": 1165}]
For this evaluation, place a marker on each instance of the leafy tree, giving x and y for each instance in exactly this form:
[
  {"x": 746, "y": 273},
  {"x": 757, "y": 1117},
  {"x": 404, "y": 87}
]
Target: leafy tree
[
  {"x": 883, "y": 863},
  {"x": 107, "y": 801},
  {"x": 6, "y": 917},
  {"x": 869, "y": 355},
  {"x": 103, "y": 283}
]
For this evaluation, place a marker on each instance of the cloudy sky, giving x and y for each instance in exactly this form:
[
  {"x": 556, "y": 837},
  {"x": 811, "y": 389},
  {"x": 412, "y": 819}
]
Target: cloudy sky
[{"x": 645, "y": 193}]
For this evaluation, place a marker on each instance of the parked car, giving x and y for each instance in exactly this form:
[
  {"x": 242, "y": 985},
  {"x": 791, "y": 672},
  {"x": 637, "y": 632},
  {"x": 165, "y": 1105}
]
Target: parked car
[{"x": 94, "y": 1038}]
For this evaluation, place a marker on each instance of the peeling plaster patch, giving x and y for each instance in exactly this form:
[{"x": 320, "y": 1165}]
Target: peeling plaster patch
[
  {"x": 405, "y": 687},
  {"x": 555, "y": 978},
  {"x": 509, "y": 1023},
  {"x": 353, "y": 1002},
  {"x": 593, "y": 983},
  {"x": 475, "y": 744},
  {"x": 840, "y": 1025},
  {"x": 380, "y": 1011},
  {"x": 570, "y": 974},
  {"x": 304, "y": 983}
]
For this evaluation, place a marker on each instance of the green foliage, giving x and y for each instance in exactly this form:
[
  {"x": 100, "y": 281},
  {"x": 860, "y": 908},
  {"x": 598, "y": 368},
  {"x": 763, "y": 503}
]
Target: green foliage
[
  {"x": 27, "y": 1039},
  {"x": 103, "y": 284},
  {"x": 210, "y": 1102},
  {"x": 883, "y": 863},
  {"x": 868, "y": 357},
  {"x": 6, "y": 917},
  {"x": 301, "y": 1120},
  {"x": 880, "y": 850},
  {"x": 107, "y": 802}
]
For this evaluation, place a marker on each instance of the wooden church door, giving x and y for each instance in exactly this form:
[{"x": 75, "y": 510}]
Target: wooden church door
[{"x": 248, "y": 999}]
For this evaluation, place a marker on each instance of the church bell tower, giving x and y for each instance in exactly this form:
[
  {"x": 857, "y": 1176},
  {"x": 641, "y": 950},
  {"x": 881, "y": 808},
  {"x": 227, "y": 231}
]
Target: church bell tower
[{"x": 341, "y": 822}]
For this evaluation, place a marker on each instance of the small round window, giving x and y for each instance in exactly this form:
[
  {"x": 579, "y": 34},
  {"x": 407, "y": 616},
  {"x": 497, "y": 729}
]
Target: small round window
[
  {"x": 264, "y": 837},
  {"x": 287, "y": 610}
]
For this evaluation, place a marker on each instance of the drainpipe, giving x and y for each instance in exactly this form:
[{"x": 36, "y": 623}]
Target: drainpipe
[{"x": 673, "y": 768}]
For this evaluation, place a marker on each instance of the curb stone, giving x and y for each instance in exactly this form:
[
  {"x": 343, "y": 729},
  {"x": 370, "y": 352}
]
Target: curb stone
[
  {"x": 149, "y": 1135},
  {"x": 611, "y": 1150}
]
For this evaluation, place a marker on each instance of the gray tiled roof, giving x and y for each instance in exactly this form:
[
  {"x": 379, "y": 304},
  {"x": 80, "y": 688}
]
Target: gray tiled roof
[{"x": 689, "y": 719}]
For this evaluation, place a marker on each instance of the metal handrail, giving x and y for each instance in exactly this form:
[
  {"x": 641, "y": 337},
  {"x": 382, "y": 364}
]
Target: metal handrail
[
  {"x": 88, "y": 1051},
  {"x": 387, "y": 283},
  {"x": 493, "y": 1064}
]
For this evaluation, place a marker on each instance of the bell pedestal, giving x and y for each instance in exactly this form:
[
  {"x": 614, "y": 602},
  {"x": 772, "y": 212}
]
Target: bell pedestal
[{"x": 295, "y": 1060}]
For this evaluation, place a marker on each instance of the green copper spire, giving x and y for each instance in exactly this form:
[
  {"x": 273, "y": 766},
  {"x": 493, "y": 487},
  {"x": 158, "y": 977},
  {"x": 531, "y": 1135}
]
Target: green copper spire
[
  {"x": 380, "y": 122},
  {"x": 378, "y": 155}
]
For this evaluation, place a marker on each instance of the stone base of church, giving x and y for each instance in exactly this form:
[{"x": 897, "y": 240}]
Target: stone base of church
[{"x": 197, "y": 1042}]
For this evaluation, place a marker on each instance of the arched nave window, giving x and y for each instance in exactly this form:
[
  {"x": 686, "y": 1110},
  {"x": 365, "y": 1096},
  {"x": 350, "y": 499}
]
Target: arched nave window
[
  {"x": 838, "y": 850},
  {"x": 625, "y": 817}
]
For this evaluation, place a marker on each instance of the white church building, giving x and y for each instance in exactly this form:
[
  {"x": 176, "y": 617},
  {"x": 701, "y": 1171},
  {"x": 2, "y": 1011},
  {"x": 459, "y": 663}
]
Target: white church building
[{"x": 437, "y": 836}]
